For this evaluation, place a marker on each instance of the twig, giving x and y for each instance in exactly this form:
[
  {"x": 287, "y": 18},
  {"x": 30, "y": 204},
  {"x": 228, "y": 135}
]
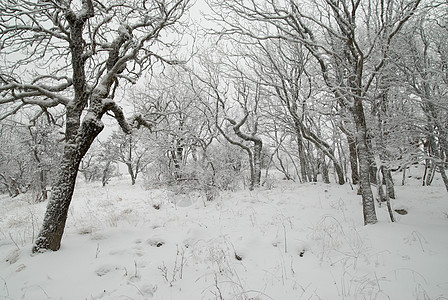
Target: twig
[{"x": 18, "y": 248}]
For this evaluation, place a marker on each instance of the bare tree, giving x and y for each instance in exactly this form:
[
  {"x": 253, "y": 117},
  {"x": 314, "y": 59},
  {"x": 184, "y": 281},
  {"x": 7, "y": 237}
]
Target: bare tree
[
  {"x": 174, "y": 109},
  {"x": 236, "y": 107},
  {"x": 75, "y": 54},
  {"x": 14, "y": 163},
  {"x": 44, "y": 149},
  {"x": 282, "y": 66},
  {"x": 128, "y": 149},
  {"x": 98, "y": 164},
  {"x": 424, "y": 68},
  {"x": 28, "y": 154},
  {"x": 253, "y": 151},
  {"x": 331, "y": 31}
]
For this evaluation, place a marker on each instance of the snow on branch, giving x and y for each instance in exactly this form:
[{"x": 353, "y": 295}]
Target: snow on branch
[
  {"x": 32, "y": 90},
  {"x": 110, "y": 105}
]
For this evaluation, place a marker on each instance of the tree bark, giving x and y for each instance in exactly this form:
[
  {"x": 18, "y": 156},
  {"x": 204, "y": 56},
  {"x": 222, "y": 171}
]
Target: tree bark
[
  {"x": 385, "y": 171},
  {"x": 106, "y": 175},
  {"x": 403, "y": 178},
  {"x": 302, "y": 156},
  {"x": 381, "y": 193},
  {"x": 131, "y": 173},
  {"x": 371, "y": 158},
  {"x": 177, "y": 157},
  {"x": 353, "y": 154},
  {"x": 42, "y": 184},
  {"x": 443, "y": 174},
  {"x": 55, "y": 218},
  {"x": 440, "y": 164},
  {"x": 258, "y": 145},
  {"x": 364, "y": 163},
  {"x": 12, "y": 186},
  {"x": 324, "y": 168},
  {"x": 387, "y": 176}
]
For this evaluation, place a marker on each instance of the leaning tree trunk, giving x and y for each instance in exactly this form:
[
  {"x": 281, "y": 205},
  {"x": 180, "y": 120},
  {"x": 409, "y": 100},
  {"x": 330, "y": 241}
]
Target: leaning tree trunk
[
  {"x": 384, "y": 171},
  {"x": 53, "y": 225}
]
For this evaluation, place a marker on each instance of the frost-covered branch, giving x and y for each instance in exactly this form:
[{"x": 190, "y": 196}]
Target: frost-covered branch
[
  {"x": 110, "y": 105},
  {"x": 32, "y": 90}
]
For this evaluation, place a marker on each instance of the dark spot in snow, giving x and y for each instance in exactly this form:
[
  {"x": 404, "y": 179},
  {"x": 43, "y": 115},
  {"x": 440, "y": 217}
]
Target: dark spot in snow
[
  {"x": 156, "y": 206},
  {"x": 85, "y": 231},
  {"x": 301, "y": 253},
  {"x": 155, "y": 243},
  {"x": 237, "y": 257},
  {"x": 401, "y": 211}
]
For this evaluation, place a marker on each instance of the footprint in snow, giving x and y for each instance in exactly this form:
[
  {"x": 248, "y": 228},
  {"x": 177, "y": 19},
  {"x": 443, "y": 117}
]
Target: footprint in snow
[{"x": 105, "y": 269}]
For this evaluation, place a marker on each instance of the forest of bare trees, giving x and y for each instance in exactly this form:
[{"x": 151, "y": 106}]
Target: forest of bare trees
[{"x": 314, "y": 90}]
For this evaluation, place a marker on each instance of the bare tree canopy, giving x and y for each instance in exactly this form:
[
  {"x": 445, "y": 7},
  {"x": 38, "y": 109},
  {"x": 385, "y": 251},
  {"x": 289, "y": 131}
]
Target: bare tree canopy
[
  {"x": 355, "y": 89},
  {"x": 74, "y": 54},
  {"x": 349, "y": 41}
]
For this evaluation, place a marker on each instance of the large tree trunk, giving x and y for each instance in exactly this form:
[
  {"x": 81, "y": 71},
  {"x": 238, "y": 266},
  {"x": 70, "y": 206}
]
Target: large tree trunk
[
  {"x": 368, "y": 202},
  {"x": 50, "y": 235}
]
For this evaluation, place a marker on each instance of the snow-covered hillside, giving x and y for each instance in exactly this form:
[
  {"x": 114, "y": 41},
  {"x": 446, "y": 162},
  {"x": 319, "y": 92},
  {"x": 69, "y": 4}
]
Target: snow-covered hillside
[{"x": 292, "y": 241}]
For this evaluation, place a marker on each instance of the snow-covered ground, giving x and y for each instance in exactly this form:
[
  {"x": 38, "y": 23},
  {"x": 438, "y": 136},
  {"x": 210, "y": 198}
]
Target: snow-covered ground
[{"x": 292, "y": 241}]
